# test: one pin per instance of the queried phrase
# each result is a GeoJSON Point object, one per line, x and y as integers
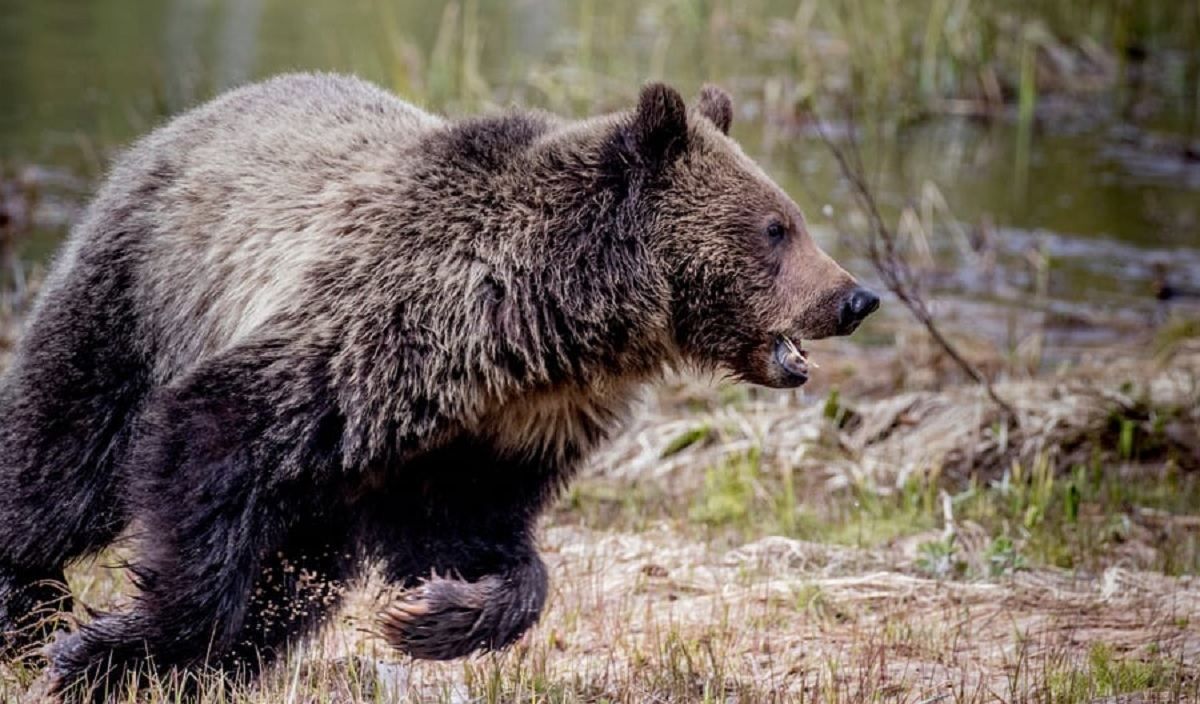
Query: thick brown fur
{"type": "Point", "coordinates": [308, 324]}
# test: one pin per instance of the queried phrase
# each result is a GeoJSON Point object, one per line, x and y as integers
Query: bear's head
{"type": "Point", "coordinates": [747, 281]}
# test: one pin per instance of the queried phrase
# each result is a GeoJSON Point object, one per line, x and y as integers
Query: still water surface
{"type": "Point", "coordinates": [80, 78]}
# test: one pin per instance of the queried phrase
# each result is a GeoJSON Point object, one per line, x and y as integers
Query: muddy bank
{"type": "Point", "coordinates": [1078, 416]}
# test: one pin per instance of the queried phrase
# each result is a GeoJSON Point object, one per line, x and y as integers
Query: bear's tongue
{"type": "Point", "coordinates": [792, 358]}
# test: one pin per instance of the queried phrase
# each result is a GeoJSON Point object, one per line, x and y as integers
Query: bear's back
{"type": "Point", "coordinates": [231, 203]}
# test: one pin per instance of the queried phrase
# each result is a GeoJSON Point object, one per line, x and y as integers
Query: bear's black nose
{"type": "Point", "coordinates": [858, 305]}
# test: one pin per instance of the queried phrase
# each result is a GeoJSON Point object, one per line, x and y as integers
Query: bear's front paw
{"type": "Point", "coordinates": [443, 619]}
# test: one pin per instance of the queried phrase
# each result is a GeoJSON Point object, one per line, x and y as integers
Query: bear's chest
{"type": "Point", "coordinates": [559, 425]}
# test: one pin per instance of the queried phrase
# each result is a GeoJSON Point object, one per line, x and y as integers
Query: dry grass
{"type": "Point", "coordinates": [737, 546]}
{"type": "Point", "coordinates": [872, 545]}
{"type": "Point", "coordinates": [657, 616]}
{"type": "Point", "coordinates": [1130, 409]}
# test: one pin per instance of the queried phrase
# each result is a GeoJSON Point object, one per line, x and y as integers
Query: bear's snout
{"type": "Point", "coordinates": [857, 305]}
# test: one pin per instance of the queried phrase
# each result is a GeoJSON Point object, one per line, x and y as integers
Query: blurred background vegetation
{"type": "Point", "coordinates": [1068, 118]}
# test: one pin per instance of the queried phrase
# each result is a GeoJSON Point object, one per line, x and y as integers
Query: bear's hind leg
{"type": "Point", "coordinates": [227, 467]}
{"type": "Point", "coordinates": [196, 626]}
{"type": "Point", "coordinates": [66, 404]}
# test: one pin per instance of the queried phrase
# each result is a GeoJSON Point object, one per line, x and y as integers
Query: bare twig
{"type": "Point", "coordinates": [891, 265]}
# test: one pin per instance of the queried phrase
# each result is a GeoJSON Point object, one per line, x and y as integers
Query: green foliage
{"type": "Point", "coordinates": [686, 439]}
{"type": "Point", "coordinates": [1104, 675]}
{"type": "Point", "coordinates": [728, 491]}
{"type": "Point", "coordinates": [1072, 499]}
{"type": "Point", "coordinates": [938, 558]}
{"type": "Point", "coordinates": [1003, 557]}
{"type": "Point", "coordinates": [1125, 444]}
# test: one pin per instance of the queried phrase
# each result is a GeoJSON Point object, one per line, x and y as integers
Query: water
{"type": "Point", "coordinates": [81, 78]}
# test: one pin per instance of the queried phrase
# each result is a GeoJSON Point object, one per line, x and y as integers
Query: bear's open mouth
{"type": "Point", "coordinates": [793, 359]}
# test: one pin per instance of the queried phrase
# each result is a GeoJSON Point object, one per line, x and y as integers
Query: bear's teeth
{"type": "Point", "coordinates": [799, 350]}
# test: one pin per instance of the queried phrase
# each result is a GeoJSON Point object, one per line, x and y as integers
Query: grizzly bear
{"type": "Point", "coordinates": [308, 327]}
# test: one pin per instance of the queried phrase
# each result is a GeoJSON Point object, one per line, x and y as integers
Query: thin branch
{"type": "Point", "coordinates": [891, 265]}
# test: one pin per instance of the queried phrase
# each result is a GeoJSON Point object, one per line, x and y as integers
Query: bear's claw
{"type": "Point", "coordinates": [443, 619]}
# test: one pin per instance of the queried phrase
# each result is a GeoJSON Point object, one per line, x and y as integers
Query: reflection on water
{"type": "Point", "coordinates": [79, 78]}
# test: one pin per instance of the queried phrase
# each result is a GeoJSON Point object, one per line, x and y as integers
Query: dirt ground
{"type": "Point", "coordinates": [655, 616]}
{"type": "Point", "coordinates": [684, 569]}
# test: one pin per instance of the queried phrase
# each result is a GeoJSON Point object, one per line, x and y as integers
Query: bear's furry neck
{"type": "Point", "coordinates": [507, 276]}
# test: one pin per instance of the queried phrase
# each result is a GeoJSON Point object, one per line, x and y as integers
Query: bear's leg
{"type": "Point", "coordinates": [65, 409]}
{"type": "Point", "coordinates": [228, 466]}
{"type": "Point", "coordinates": [463, 546]}
{"type": "Point", "coordinates": [450, 615]}
{"type": "Point", "coordinates": [296, 590]}
{"type": "Point", "coordinates": [294, 594]}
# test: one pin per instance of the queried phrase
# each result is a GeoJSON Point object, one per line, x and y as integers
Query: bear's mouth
{"type": "Point", "coordinates": [792, 361]}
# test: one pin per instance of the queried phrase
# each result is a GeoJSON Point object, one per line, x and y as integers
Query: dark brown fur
{"type": "Point", "coordinates": [308, 324]}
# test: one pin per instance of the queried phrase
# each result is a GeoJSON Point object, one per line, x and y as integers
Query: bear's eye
{"type": "Point", "coordinates": [776, 232]}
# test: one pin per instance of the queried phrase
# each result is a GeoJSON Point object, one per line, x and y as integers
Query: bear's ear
{"type": "Point", "coordinates": [659, 128]}
{"type": "Point", "coordinates": [717, 106]}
